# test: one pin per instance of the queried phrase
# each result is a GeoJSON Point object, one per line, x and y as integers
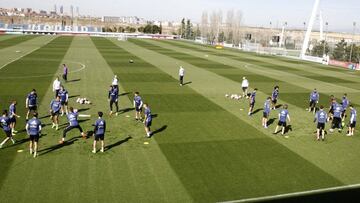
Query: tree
{"type": "Point", "coordinates": [221, 37]}
{"type": "Point", "coordinates": [339, 52]}
{"type": "Point", "coordinates": [141, 29]}
{"type": "Point", "coordinates": [148, 28]}
{"type": "Point", "coordinates": [120, 29]}
{"type": "Point", "coordinates": [320, 49]}
{"type": "Point", "coordinates": [188, 29]}
{"type": "Point", "coordinates": [354, 53]}
{"type": "Point", "coordinates": [182, 28]}
{"type": "Point", "coordinates": [160, 31]}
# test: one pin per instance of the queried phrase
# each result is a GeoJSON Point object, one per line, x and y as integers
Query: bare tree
{"type": "Point", "coordinates": [204, 27]}
{"type": "Point", "coordinates": [229, 26]}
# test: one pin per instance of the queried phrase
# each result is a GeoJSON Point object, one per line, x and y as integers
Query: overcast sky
{"type": "Point", "coordinates": [340, 14]}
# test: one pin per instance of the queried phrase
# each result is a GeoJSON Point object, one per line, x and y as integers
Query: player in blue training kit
{"type": "Point", "coordinates": [138, 106]}
{"type": "Point", "coordinates": [274, 97]}
{"type": "Point", "coordinates": [55, 107]}
{"type": "Point", "coordinates": [314, 99]}
{"type": "Point", "coordinates": [252, 101]}
{"type": "Point", "coordinates": [5, 125]}
{"type": "Point", "coordinates": [113, 98]}
{"type": "Point", "coordinates": [99, 132]}
{"type": "Point", "coordinates": [283, 116]}
{"type": "Point", "coordinates": [352, 123]}
{"type": "Point", "coordinates": [321, 118]}
{"type": "Point", "coordinates": [332, 106]}
{"type": "Point", "coordinates": [31, 103]}
{"type": "Point", "coordinates": [33, 129]}
{"type": "Point", "coordinates": [337, 117]}
{"type": "Point", "coordinates": [64, 99]}
{"type": "Point", "coordinates": [13, 116]}
{"type": "Point", "coordinates": [147, 120]}
{"type": "Point", "coordinates": [73, 123]}
{"type": "Point", "coordinates": [266, 113]}
{"type": "Point", "coordinates": [345, 103]}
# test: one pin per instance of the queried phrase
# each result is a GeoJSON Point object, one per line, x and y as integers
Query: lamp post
{"type": "Point", "coordinates": [352, 41]}
{"type": "Point", "coordinates": [325, 38]}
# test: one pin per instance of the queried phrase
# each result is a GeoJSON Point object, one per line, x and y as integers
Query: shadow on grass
{"type": "Point", "coordinates": [187, 83]}
{"type": "Point", "coordinates": [271, 121]}
{"type": "Point", "coordinates": [159, 130]}
{"type": "Point", "coordinates": [72, 96]}
{"type": "Point", "coordinates": [108, 147]}
{"type": "Point", "coordinates": [58, 146]}
{"type": "Point", "coordinates": [124, 94]}
{"type": "Point", "coordinates": [125, 110]}
{"type": "Point", "coordinates": [74, 80]}
{"type": "Point", "coordinates": [257, 110]}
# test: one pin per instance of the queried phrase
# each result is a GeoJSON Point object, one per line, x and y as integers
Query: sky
{"type": "Point", "coordinates": [340, 14]}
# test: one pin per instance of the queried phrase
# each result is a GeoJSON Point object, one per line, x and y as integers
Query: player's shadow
{"type": "Point", "coordinates": [271, 121]}
{"type": "Point", "coordinates": [46, 116]}
{"type": "Point", "coordinates": [288, 128]}
{"type": "Point", "coordinates": [74, 80]}
{"type": "Point", "coordinates": [72, 96]}
{"type": "Point", "coordinates": [125, 110]}
{"type": "Point", "coordinates": [155, 115]}
{"type": "Point", "coordinates": [124, 94]}
{"type": "Point", "coordinates": [278, 106]}
{"type": "Point", "coordinates": [108, 147]}
{"type": "Point", "coordinates": [83, 109]}
{"type": "Point", "coordinates": [58, 146]}
{"type": "Point", "coordinates": [256, 111]}
{"type": "Point", "coordinates": [22, 141]}
{"type": "Point", "coordinates": [187, 83]}
{"type": "Point", "coordinates": [159, 130]}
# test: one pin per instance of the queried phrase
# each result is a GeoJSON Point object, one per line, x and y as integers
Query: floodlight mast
{"type": "Point", "coordinates": [309, 28]}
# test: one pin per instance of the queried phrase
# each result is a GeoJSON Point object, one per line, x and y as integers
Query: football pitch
{"type": "Point", "coordinates": [205, 148]}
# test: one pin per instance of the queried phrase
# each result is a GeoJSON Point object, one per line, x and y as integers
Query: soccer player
{"type": "Point", "coordinates": [99, 131]}
{"type": "Point", "coordinates": [147, 120]}
{"type": "Point", "coordinates": [266, 112]}
{"type": "Point", "coordinates": [138, 106]}
{"type": "Point", "coordinates": [244, 86]}
{"type": "Point", "coordinates": [331, 108]}
{"type": "Point", "coordinates": [252, 101]}
{"type": "Point", "coordinates": [321, 118]}
{"type": "Point", "coordinates": [64, 99]}
{"type": "Point", "coordinates": [56, 86]}
{"type": "Point", "coordinates": [113, 98]}
{"type": "Point", "coordinates": [337, 117]}
{"type": "Point", "coordinates": [345, 103]}
{"type": "Point", "coordinates": [274, 97]}
{"type": "Point", "coordinates": [181, 75]}
{"type": "Point", "coordinates": [352, 123]}
{"type": "Point", "coordinates": [314, 99]}
{"type": "Point", "coordinates": [13, 116]}
{"type": "Point", "coordinates": [31, 103]}
{"type": "Point", "coordinates": [73, 123]}
{"type": "Point", "coordinates": [5, 125]}
{"type": "Point", "coordinates": [33, 129]}
{"type": "Point", "coordinates": [55, 107]}
{"type": "Point", "coordinates": [65, 72]}
{"type": "Point", "coordinates": [283, 116]}
{"type": "Point", "coordinates": [115, 82]}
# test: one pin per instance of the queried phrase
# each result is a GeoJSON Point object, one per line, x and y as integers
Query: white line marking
{"type": "Point", "coordinates": [24, 54]}
{"type": "Point", "coordinates": [295, 194]}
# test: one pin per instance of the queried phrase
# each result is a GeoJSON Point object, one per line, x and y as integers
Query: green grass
{"type": "Point", "coordinates": [204, 149]}
{"type": "Point", "coordinates": [15, 40]}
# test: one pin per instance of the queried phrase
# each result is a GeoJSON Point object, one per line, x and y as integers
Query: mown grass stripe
{"type": "Point", "coordinates": [17, 89]}
{"type": "Point", "coordinates": [16, 40]}
{"type": "Point", "coordinates": [214, 170]}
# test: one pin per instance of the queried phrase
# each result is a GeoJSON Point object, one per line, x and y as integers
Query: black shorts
{"type": "Point", "coordinates": [281, 123]}
{"type": "Point", "coordinates": [99, 137]}
{"type": "Point", "coordinates": [274, 101]}
{"type": "Point", "coordinates": [138, 109]}
{"type": "Point", "coordinates": [32, 108]}
{"type": "Point", "coordinates": [34, 138]}
{"type": "Point", "coordinates": [321, 126]}
{"type": "Point", "coordinates": [331, 111]}
{"type": "Point", "coordinates": [265, 115]}
{"type": "Point", "coordinates": [353, 124]}
{"type": "Point", "coordinates": [8, 133]}
{"type": "Point", "coordinates": [56, 113]}
{"type": "Point", "coordinates": [312, 103]}
{"type": "Point", "coordinates": [13, 119]}
{"type": "Point", "coordinates": [244, 89]}
{"type": "Point", "coordinates": [64, 103]}
{"type": "Point", "coordinates": [147, 123]}
{"type": "Point", "coordinates": [336, 122]}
